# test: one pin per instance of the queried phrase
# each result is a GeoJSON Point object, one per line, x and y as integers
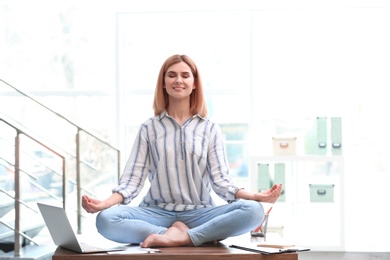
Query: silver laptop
{"type": "Point", "coordinates": [62, 233]}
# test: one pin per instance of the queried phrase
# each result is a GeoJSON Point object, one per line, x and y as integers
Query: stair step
{"type": "Point", "coordinates": [31, 230]}
{"type": "Point", "coordinates": [6, 207]}
{"type": "Point", "coordinates": [32, 252]}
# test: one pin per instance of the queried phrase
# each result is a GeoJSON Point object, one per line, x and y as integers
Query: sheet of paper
{"type": "Point", "coordinates": [275, 245]}
{"type": "Point", "coordinates": [135, 250]}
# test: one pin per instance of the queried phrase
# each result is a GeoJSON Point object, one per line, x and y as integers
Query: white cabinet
{"type": "Point", "coordinates": [310, 212]}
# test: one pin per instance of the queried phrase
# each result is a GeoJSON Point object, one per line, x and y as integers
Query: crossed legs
{"type": "Point", "coordinates": [154, 227]}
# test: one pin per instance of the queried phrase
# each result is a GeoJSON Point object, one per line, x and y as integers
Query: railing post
{"type": "Point", "coordinates": [17, 195]}
{"type": "Point", "coordinates": [118, 166]}
{"type": "Point", "coordinates": [64, 184]}
{"type": "Point", "coordinates": [78, 179]}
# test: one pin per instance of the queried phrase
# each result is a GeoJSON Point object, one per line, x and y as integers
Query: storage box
{"type": "Point", "coordinates": [264, 181]}
{"type": "Point", "coordinates": [316, 137]}
{"type": "Point", "coordinates": [336, 135]}
{"type": "Point", "coordinates": [284, 145]}
{"type": "Point", "coordinates": [280, 178]}
{"type": "Point", "coordinates": [321, 192]}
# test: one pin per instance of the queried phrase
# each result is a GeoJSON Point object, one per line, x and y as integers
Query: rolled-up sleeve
{"type": "Point", "coordinates": [219, 168]}
{"type": "Point", "coordinates": [136, 168]}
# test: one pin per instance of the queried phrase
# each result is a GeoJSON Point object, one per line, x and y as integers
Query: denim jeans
{"type": "Point", "coordinates": [125, 224]}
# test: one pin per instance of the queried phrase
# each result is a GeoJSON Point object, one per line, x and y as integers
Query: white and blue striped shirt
{"type": "Point", "coordinates": [182, 164]}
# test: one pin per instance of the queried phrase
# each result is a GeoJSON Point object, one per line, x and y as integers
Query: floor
{"type": "Point", "coordinates": [343, 256]}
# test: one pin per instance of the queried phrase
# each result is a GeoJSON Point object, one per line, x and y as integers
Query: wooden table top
{"type": "Point", "coordinates": [206, 252]}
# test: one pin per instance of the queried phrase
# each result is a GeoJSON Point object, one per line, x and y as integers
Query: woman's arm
{"type": "Point", "coordinates": [136, 169]}
{"type": "Point", "coordinates": [270, 195]}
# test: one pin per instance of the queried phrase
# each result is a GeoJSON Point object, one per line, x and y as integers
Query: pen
{"type": "Point", "coordinates": [288, 250]}
{"type": "Point", "coordinates": [269, 211]}
{"type": "Point", "coordinates": [293, 250]}
{"type": "Point", "coordinates": [265, 217]}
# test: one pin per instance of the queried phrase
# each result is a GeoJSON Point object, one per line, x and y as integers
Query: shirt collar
{"type": "Point", "coordinates": [165, 114]}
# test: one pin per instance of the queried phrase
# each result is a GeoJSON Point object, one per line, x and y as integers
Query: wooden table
{"type": "Point", "coordinates": [205, 252]}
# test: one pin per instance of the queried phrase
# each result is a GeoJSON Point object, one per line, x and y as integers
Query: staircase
{"type": "Point", "coordinates": [54, 163]}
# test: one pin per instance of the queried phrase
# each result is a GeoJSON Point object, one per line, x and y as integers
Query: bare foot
{"type": "Point", "coordinates": [176, 235]}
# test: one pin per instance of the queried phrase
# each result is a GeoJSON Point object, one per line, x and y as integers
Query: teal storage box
{"type": "Point", "coordinates": [264, 181]}
{"type": "Point", "coordinates": [321, 192]}
{"type": "Point", "coordinates": [316, 137]}
{"type": "Point", "coordinates": [280, 178]}
{"type": "Point", "coordinates": [336, 135]}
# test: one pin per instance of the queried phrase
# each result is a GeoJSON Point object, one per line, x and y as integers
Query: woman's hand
{"type": "Point", "coordinates": [92, 205]}
{"type": "Point", "coordinates": [269, 196]}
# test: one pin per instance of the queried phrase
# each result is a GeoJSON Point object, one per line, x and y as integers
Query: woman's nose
{"type": "Point", "coordinates": [178, 80]}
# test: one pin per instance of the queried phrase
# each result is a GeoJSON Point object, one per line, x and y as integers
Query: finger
{"type": "Point", "coordinates": [276, 187]}
{"type": "Point", "coordinates": [86, 199]}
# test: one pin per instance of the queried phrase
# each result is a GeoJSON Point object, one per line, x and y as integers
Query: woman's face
{"type": "Point", "coordinates": [179, 81]}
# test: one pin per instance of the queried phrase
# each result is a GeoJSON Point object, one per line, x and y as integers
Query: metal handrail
{"type": "Point", "coordinates": [63, 152]}
{"type": "Point", "coordinates": [61, 116]}
{"type": "Point", "coordinates": [20, 201]}
{"type": "Point", "coordinates": [17, 154]}
{"type": "Point", "coordinates": [17, 171]}
{"type": "Point", "coordinates": [19, 234]}
{"type": "Point", "coordinates": [78, 155]}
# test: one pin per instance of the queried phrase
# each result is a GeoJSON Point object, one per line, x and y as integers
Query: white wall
{"type": "Point", "coordinates": [323, 58]}
{"type": "Point", "coordinates": [335, 62]}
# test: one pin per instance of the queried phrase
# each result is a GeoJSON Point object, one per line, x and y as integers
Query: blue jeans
{"type": "Point", "coordinates": [126, 224]}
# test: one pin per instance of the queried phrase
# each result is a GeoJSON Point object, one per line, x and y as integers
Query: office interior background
{"type": "Point", "coordinates": [269, 69]}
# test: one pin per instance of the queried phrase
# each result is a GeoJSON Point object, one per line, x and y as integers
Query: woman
{"type": "Point", "coordinates": [181, 152]}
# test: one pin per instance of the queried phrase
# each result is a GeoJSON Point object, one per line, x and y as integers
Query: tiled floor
{"type": "Point", "coordinates": [343, 256]}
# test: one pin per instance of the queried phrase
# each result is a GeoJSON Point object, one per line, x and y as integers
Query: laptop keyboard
{"type": "Point", "coordinates": [86, 248]}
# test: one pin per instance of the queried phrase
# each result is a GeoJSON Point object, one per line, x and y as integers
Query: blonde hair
{"type": "Point", "coordinates": [197, 100]}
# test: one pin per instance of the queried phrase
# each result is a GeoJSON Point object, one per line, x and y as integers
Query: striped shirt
{"type": "Point", "coordinates": [182, 164]}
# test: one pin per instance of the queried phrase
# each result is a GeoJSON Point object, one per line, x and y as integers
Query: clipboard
{"type": "Point", "coordinates": [269, 250]}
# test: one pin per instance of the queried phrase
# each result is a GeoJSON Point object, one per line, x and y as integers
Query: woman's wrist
{"type": "Point", "coordinates": [244, 194]}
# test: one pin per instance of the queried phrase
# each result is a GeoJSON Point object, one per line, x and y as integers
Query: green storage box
{"type": "Point", "coordinates": [280, 178]}
{"type": "Point", "coordinates": [321, 192]}
{"type": "Point", "coordinates": [336, 135]}
{"type": "Point", "coordinates": [264, 181]}
{"type": "Point", "coordinates": [316, 137]}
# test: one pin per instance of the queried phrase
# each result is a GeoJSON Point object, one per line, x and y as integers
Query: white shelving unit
{"type": "Point", "coordinates": [302, 220]}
